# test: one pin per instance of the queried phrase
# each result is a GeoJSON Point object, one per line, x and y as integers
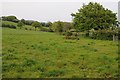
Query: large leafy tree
{"type": "Point", "coordinates": [94, 16]}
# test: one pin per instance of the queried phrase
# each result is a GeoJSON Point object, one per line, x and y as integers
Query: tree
{"type": "Point", "coordinates": [23, 21]}
{"type": "Point", "coordinates": [10, 18]}
{"type": "Point", "coordinates": [36, 24]}
{"type": "Point", "coordinates": [29, 22]}
{"type": "Point", "coordinates": [48, 24]}
{"type": "Point", "coordinates": [67, 26]}
{"type": "Point", "coordinates": [43, 24]}
{"type": "Point", "coordinates": [20, 24]}
{"type": "Point", "coordinates": [94, 16]}
{"type": "Point", "coordinates": [57, 26]}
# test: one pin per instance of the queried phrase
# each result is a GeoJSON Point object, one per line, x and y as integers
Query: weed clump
{"type": "Point", "coordinates": [28, 62]}
{"type": "Point", "coordinates": [54, 73]}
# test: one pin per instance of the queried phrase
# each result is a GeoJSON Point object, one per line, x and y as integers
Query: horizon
{"type": "Point", "coordinates": [48, 11]}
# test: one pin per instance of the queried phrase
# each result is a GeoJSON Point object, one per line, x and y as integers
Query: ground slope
{"type": "Point", "coordinates": [38, 54]}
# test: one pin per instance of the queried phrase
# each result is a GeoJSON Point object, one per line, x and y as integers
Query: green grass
{"type": "Point", "coordinates": [8, 22]}
{"type": "Point", "coordinates": [35, 54]}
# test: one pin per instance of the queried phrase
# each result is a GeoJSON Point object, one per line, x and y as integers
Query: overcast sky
{"type": "Point", "coordinates": [47, 11]}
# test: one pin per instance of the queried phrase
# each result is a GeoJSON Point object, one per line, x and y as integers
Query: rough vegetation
{"type": "Point", "coordinates": [37, 54]}
{"type": "Point", "coordinates": [82, 48]}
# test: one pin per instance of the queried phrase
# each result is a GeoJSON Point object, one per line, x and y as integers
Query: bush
{"type": "Point", "coordinates": [28, 62]}
{"type": "Point", "coordinates": [72, 30]}
{"type": "Point", "coordinates": [27, 27]}
{"type": "Point", "coordinates": [64, 33]}
{"type": "Point", "coordinates": [20, 24]}
{"type": "Point", "coordinates": [71, 35]}
{"type": "Point", "coordinates": [36, 24]}
{"type": "Point", "coordinates": [68, 33]}
{"type": "Point", "coordinates": [57, 27]}
{"type": "Point", "coordinates": [10, 18]}
{"type": "Point", "coordinates": [54, 73]}
{"type": "Point", "coordinates": [75, 34]}
{"type": "Point", "coordinates": [46, 29]}
{"type": "Point", "coordinates": [9, 25]}
{"type": "Point", "coordinates": [101, 34]}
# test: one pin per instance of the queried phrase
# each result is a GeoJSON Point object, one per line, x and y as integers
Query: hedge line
{"type": "Point", "coordinates": [9, 25]}
{"type": "Point", "coordinates": [102, 34]}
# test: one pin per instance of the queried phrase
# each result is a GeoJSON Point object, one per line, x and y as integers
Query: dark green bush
{"type": "Point", "coordinates": [9, 25]}
{"type": "Point", "coordinates": [54, 73]}
{"type": "Point", "coordinates": [101, 34]}
{"type": "Point", "coordinates": [63, 33]}
{"type": "Point", "coordinates": [10, 18]}
{"type": "Point", "coordinates": [68, 33]}
{"type": "Point", "coordinates": [45, 29]}
{"type": "Point", "coordinates": [28, 62]}
{"type": "Point", "coordinates": [71, 35]}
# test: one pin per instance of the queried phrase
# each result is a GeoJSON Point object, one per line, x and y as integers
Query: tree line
{"type": "Point", "coordinates": [92, 19]}
{"type": "Point", "coordinates": [57, 26]}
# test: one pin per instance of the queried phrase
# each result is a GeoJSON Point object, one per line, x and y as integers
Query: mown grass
{"type": "Point", "coordinates": [35, 54]}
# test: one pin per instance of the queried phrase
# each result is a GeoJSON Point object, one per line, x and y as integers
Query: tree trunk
{"type": "Point", "coordinates": [113, 37]}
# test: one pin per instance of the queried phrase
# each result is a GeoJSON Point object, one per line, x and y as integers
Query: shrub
{"type": "Point", "coordinates": [57, 27]}
{"type": "Point", "coordinates": [20, 24]}
{"type": "Point", "coordinates": [27, 27]}
{"type": "Point", "coordinates": [10, 18]}
{"type": "Point", "coordinates": [71, 37]}
{"type": "Point", "coordinates": [9, 26]}
{"type": "Point", "coordinates": [46, 29]}
{"type": "Point", "coordinates": [53, 73]}
{"type": "Point", "coordinates": [68, 33]}
{"type": "Point", "coordinates": [36, 24]}
{"type": "Point", "coordinates": [72, 30]}
{"type": "Point", "coordinates": [101, 34]}
{"type": "Point", "coordinates": [64, 33]}
{"type": "Point", "coordinates": [28, 62]}
{"type": "Point", "coordinates": [75, 34]}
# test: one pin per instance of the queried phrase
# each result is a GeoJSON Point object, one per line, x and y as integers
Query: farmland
{"type": "Point", "coordinates": [36, 54]}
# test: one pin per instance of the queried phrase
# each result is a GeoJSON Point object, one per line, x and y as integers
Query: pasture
{"type": "Point", "coordinates": [35, 54]}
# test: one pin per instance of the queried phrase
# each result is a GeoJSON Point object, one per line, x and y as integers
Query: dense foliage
{"type": "Point", "coordinates": [94, 16]}
{"type": "Point", "coordinates": [7, 24]}
{"type": "Point", "coordinates": [103, 35]}
{"type": "Point", "coordinates": [20, 24]}
{"type": "Point", "coordinates": [27, 22]}
{"type": "Point", "coordinates": [10, 18]}
{"type": "Point", "coordinates": [36, 24]}
{"type": "Point", "coordinates": [91, 16]}
{"type": "Point", "coordinates": [57, 26]}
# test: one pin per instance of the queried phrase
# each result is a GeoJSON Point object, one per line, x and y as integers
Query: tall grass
{"type": "Point", "coordinates": [35, 54]}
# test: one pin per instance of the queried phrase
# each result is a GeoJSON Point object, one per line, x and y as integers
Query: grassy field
{"type": "Point", "coordinates": [35, 54]}
{"type": "Point", "coordinates": [10, 23]}
{"type": "Point", "coordinates": [28, 27]}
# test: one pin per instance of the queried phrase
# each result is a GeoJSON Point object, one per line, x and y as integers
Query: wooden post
{"type": "Point", "coordinates": [113, 37]}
